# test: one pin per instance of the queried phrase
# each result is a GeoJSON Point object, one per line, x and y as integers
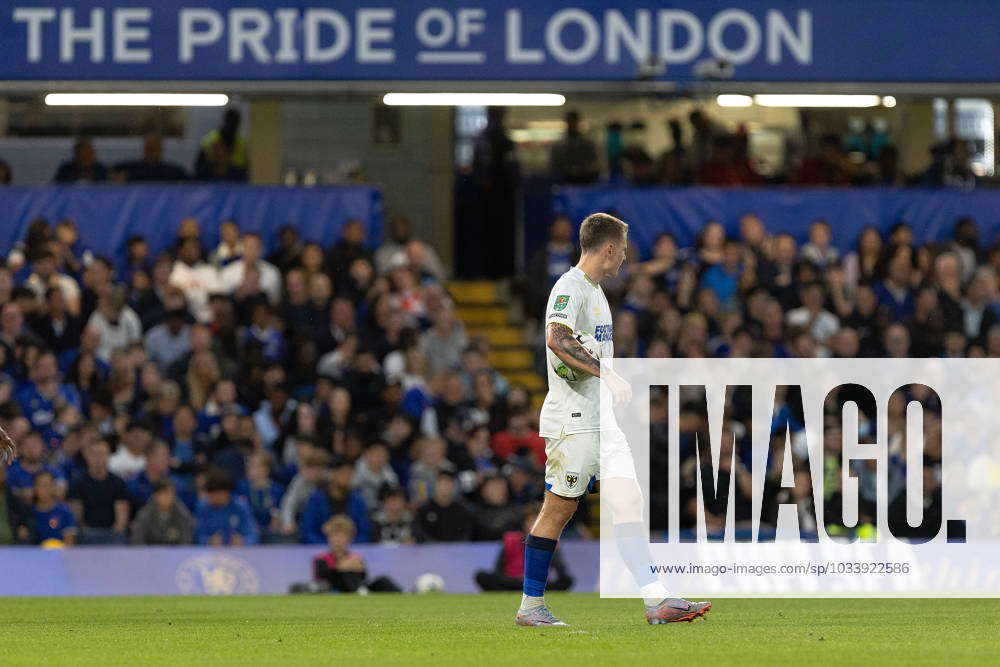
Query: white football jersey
{"type": "Point", "coordinates": [574, 407]}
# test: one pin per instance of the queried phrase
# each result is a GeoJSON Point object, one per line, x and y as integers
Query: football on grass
{"type": "Point", "coordinates": [563, 370]}
{"type": "Point", "coordinates": [429, 583]}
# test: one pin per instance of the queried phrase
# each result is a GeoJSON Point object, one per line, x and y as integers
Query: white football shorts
{"type": "Point", "coordinates": [572, 461]}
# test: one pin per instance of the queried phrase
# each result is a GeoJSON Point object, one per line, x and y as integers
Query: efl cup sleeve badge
{"type": "Point", "coordinates": [572, 478]}
{"type": "Point", "coordinates": [561, 302]}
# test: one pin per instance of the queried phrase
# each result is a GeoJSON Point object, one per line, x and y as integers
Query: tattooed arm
{"type": "Point", "coordinates": [560, 340]}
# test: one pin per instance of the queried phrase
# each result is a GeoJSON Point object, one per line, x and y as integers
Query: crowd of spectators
{"type": "Point", "coordinates": [221, 396]}
{"type": "Point", "coordinates": [713, 155]}
{"type": "Point", "coordinates": [226, 395]}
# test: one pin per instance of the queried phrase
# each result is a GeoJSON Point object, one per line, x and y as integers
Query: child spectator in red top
{"type": "Point", "coordinates": [342, 570]}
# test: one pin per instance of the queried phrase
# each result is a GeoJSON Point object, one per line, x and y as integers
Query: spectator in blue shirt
{"type": "Point", "coordinates": [45, 394]}
{"type": "Point", "coordinates": [29, 464]}
{"type": "Point", "coordinates": [187, 444]}
{"type": "Point", "coordinates": [547, 264]}
{"type": "Point", "coordinates": [222, 401]}
{"type": "Point", "coordinates": [263, 334]}
{"type": "Point", "coordinates": [87, 374]}
{"type": "Point", "coordinates": [337, 498]}
{"type": "Point", "coordinates": [90, 343]}
{"type": "Point", "coordinates": [222, 520]}
{"type": "Point", "coordinates": [137, 259]}
{"type": "Point", "coordinates": [275, 414]}
{"type": "Point", "coordinates": [53, 520]}
{"type": "Point", "coordinates": [157, 469]}
{"type": "Point", "coordinates": [261, 494]}
{"type": "Point", "coordinates": [724, 278]}
{"type": "Point", "coordinates": [168, 342]}
{"type": "Point", "coordinates": [895, 294]}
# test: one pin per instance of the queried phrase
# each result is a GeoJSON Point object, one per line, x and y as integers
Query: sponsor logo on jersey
{"type": "Point", "coordinates": [562, 315]}
{"type": "Point", "coordinates": [603, 332]}
{"type": "Point", "coordinates": [561, 302]}
{"type": "Point", "coordinates": [572, 478]}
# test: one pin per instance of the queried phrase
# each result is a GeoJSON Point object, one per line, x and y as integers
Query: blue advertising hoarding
{"type": "Point", "coordinates": [84, 571]}
{"type": "Point", "coordinates": [764, 40]}
{"type": "Point", "coordinates": [683, 212]}
{"type": "Point", "coordinates": [108, 215]}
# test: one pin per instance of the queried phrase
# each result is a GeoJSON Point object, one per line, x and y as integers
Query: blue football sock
{"type": "Point", "coordinates": [537, 556]}
{"type": "Point", "coordinates": [633, 544]}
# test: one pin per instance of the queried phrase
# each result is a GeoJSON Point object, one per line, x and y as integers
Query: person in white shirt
{"type": "Point", "coordinates": [230, 246]}
{"type": "Point", "coordinates": [130, 457]}
{"type": "Point", "coordinates": [270, 277]}
{"type": "Point", "coordinates": [118, 324]}
{"type": "Point", "coordinates": [46, 276]}
{"type": "Point", "coordinates": [577, 448]}
{"type": "Point", "coordinates": [811, 316]}
{"type": "Point", "coordinates": [196, 278]}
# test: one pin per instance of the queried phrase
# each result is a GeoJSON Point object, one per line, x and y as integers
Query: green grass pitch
{"type": "Point", "coordinates": [479, 630]}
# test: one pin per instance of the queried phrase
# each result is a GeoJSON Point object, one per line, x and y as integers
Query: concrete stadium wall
{"type": "Point", "coordinates": [415, 174]}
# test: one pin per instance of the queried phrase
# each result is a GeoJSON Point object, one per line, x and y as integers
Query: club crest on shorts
{"type": "Point", "coordinates": [572, 478]}
{"type": "Point", "coordinates": [561, 302]}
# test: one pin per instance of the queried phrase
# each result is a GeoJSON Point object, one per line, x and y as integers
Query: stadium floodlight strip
{"type": "Point", "coordinates": [734, 101]}
{"type": "Point", "coordinates": [474, 99]}
{"type": "Point", "coordinates": [137, 99]}
{"type": "Point", "coordinates": [816, 101]}
{"type": "Point", "coordinates": [845, 101]}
